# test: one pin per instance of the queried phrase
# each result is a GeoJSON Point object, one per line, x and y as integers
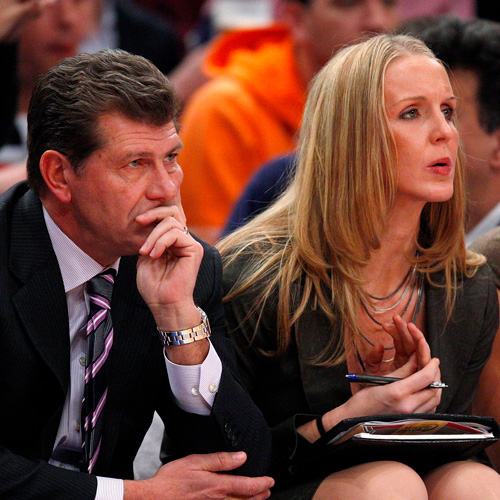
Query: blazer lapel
{"type": "Point", "coordinates": [40, 301]}
{"type": "Point", "coordinates": [450, 339]}
{"type": "Point", "coordinates": [324, 387]}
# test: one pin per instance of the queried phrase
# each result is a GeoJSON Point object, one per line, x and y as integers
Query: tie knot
{"type": "Point", "coordinates": [100, 288]}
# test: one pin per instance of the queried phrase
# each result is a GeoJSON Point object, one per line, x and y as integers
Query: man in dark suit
{"type": "Point", "coordinates": [103, 187]}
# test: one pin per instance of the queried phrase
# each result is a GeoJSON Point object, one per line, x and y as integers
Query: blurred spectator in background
{"type": "Point", "coordinates": [265, 185]}
{"type": "Point", "coordinates": [13, 15]}
{"type": "Point", "coordinates": [486, 9]}
{"type": "Point", "coordinates": [183, 15]}
{"type": "Point", "coordinates": [409, 9]}
{"type": "Point", "coordinates": [55, 33]}
{"type": "Point", "coordinates": [251, 108]}
{"type": "Point", "coordinates": [125, 25]}
{"type": "Point", "coordinates": [69, 27]}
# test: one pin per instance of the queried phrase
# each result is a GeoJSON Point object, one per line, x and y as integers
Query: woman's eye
{"type": "Point", "coordinates": [410, 114]}
{"type": "Point", "coordinates": [448, 113]}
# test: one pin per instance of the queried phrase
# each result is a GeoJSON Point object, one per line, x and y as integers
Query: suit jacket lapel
{"type": "Point", "coordinates": [40, 301]}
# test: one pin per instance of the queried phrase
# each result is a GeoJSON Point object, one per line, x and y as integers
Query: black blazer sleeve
{"type": "Point", "coordinates": [236, 422]}
{"type": "Point", "coordinates": [275, 386]}
{"type": "Point", "coordinates": [23, 479]}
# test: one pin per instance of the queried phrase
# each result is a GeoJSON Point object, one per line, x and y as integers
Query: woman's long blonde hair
{"type": "Point", "coordinates": [320, 232]}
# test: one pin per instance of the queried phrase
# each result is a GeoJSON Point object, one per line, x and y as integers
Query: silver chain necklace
{"type": "Point", "coordinates": [418, 282]}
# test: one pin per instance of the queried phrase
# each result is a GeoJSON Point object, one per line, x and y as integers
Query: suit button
{"type": "Point", "coordinates": [229, 430]}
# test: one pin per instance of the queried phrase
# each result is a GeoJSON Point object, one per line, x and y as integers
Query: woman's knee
{"type": "Point", "coordinates": [373, 481]}
{"type": "Point", "coordinates": [463, 481]}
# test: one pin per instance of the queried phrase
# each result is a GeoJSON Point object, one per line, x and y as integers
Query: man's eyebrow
{"type": "Point", "coordinates": [178, 146]}
{"type": "Point", "coordinates": [146, 154]}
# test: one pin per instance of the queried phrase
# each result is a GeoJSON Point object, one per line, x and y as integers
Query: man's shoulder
{"type": "Point", "coordinates": [12, 196]}
{"type": "Point", "coordinates": [209, 277]}
{"type": "Point", "coordinates": [488, 244]}
{"type": "Point", "coordinates": [211, 256]}
{"type": "Point", "coordinates": [16, 197]}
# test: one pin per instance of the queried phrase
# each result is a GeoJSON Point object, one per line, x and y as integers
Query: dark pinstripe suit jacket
{"type": "Point", "coordinates": [34, 369]}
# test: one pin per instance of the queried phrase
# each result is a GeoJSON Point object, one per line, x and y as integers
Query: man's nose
{"type": "Point", "coordinates": [162, 185]}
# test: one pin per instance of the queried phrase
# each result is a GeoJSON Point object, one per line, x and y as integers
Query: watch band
{"type": "Point", "coordinates": [187, 336]}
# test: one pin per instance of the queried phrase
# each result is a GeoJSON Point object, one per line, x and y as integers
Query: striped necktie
{"type": "Point", "coordinates": [99, 342]}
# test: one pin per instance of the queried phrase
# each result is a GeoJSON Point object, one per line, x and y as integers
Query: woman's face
{"type": "Point", "coordinates": [420, 104]}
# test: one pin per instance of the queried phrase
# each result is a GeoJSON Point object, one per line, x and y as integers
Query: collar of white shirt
{"type": "Point", "coordinates": [76, 266]}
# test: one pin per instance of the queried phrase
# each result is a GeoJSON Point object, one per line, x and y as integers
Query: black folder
{"type": "Point", "coordinates": [421, 450]}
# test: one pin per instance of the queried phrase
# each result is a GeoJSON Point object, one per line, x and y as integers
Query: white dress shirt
{"type": "Point", "coordinates": [194, 387]}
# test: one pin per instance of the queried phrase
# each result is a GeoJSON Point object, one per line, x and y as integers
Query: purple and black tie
{"type": "Point", "coordinates": [99, 343]}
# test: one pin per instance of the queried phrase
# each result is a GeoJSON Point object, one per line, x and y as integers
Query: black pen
{"type": "Point", "coordinates": [377, 380]}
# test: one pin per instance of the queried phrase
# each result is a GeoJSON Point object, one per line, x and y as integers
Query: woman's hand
{"type": "Point", "coordinates": [410, 395]}
{"type": "Point", "coordinates": [408, 341]}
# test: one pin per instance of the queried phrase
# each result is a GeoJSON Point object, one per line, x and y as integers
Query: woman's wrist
{"type": "Point", "coordinates": [333, 417]}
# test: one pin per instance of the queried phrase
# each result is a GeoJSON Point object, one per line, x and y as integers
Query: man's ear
{"type": "Point", "coordinates": [55, 168]}
{"type": "Point", "coordinates": [294, 14]}
{"type": "Point", "coordinates": [494, 159]}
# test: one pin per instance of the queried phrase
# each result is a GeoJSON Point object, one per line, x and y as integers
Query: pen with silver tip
{"type": "Point", "coordinates": [379, 380]}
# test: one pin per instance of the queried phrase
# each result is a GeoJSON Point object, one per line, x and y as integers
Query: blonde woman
{"type": "Point", "coordinates": [361, 266]}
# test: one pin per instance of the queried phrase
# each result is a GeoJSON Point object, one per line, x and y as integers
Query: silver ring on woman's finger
{"type": "Point", "coordinates": [387, 360]}
{"type": "Point", "coordinates": [186, 230]}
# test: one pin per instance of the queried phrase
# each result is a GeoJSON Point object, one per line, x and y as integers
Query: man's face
{"type": "Point", "coordinates": [330, 24]}
{"type": "Point", "coordinates": [134, 171]}
{"type": "Point", "coordinates": [479, 146]}
{"type": "Point", "coordinates": [55, 34]}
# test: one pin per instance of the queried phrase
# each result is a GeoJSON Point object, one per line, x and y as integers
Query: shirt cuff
{"type": "Point", "coordinates": [194, 386]}
{"type": "Point", "coordinates": [109, 489]}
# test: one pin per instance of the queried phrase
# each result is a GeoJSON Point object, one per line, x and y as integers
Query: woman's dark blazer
{"type": "Point", "coordinates": [291, 390]}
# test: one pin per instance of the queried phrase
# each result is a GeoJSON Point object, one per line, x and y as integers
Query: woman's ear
{"type": "Point", "coordinates": [55, 167]}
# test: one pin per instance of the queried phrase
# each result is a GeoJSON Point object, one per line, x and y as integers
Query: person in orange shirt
{"type": "Point", "coordinates": [250, 109]}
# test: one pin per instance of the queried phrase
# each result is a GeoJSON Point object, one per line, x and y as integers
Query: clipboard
{"type": "Point", "coordinates": [349, 443]}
